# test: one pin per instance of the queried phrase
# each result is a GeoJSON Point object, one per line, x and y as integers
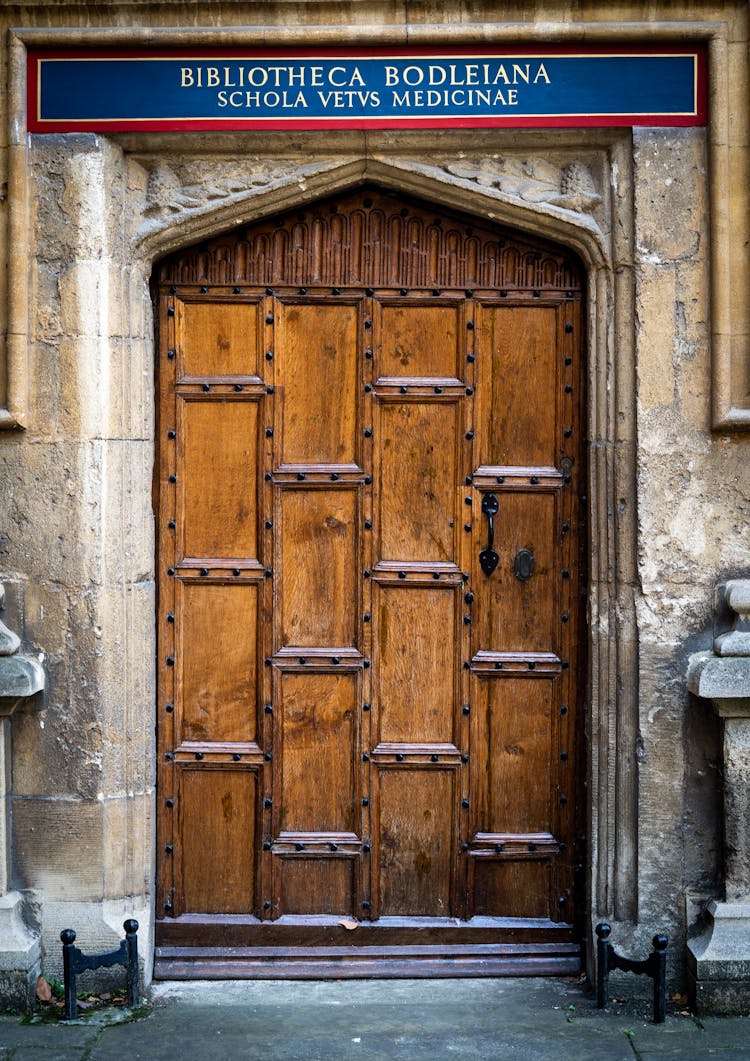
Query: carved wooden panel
{"type": "Point", "coordinates": [373, 240]}
{"type": "Point", "coordinates": [354, 716]}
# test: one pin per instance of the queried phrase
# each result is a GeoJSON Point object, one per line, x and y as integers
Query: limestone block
{"type": "Point", "coordinates": [661, 787]}
{"type": "Point", "coordinates": [45, 618]}
{"type": "Point", "coordinates": [95, 731]}
{"type": "Point", "coordinates": [84, 375]}
{"type": "Point", "coordinates": [670, 192]}
{"type": "Point", "coordinates": [51, 496]}
{"type": "Point", "coordinates": [719, 960]}
{"type": "Point", "coordinates": [87, 193]}
{"type": "Point", "coordinates": [45, 325]}
{"type": "Point", "coordinates": [84, 299]}
{"type": "Point", "coordinates": [58, 846]}
{"type": "Point", "coordinates": [131, 389]}
{"type": "Point", "coordinates": [720, 679]}
{"type": "Point", "coordinates": [125, 675]}
{"type": "Point", "coordinates": [129, 845]}
{"type": "Point", "coordinates": [20, 953]}
{"type": "Point", "coordinates": [655, 334]}
{"type": "Point", "coordinates": [128, 532]}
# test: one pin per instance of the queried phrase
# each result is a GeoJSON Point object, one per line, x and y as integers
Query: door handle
{"type": "Point", "coordinates": [488, 558]}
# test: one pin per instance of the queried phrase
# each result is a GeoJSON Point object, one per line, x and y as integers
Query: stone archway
{"type": "Point", "coordinates": [332, 259]}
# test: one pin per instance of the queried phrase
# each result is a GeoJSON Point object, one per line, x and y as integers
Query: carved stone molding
{"type": "Point", "coordinates": [534, 180]}
{"type": "Point", "coordinates": [181, 188]}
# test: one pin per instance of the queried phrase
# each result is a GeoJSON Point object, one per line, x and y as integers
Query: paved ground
{"type": "Point", "coordinates": [405, 1020]}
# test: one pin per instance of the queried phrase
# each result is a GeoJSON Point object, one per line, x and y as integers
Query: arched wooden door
{"type": "Point", "coordinates": [369, 575]}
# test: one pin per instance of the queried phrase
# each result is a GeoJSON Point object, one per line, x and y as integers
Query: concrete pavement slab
{"type": "Point", "coordinates": [370, 1020]}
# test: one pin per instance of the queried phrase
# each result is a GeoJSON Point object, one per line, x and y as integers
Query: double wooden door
{"type": "Point", "coordinates": [369, 579]}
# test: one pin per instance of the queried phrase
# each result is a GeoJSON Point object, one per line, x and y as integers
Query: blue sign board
{"type": "Point", "coordinates": [86, 91]}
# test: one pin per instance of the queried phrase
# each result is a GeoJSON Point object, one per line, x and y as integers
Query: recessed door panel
{"type": "Point", "coordinates": [518, 889]}
{"type": "Point", "coordinates": [519, 600]}
{"type": "Point", "coordinates": [316, 366]}
{"type": "Point", "coordinates": [219, 338]}
{"type": "Point", "coordinates": [318, 536]}
{"type": "Point", "coordinates": [317, 886]}
{"type": "Point", "coordinates": [519, 355]}
{"type": "Point", "coordinates": [217, 622]}
{"type": "Point", "coordinates": [318, 715]}
{"type": "Point", "coordinates": [417, 472]}
{"type": "Point", "coordinates": [416, 634]}
{"type": "Point", "coordinates": [416, 841]}
{"type": "Point", "coordinates": [419, 339]}
{"type": "Point", "coordinates": [217, 812]}
{"type": "Point", "coordinates": [217, 488]}
{"type": "Point", "coordinates": [520, 732]}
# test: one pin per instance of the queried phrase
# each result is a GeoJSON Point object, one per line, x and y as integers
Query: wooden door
{"type": "Point", "coordinates": [366, 718]}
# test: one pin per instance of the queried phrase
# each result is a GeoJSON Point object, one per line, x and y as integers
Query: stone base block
{"type": "Point", "coordinates": [719, 961]}
{"type": "Point", "coordinates": [98, 927]}
{"type": "Point", "coordinates": [20, 954]}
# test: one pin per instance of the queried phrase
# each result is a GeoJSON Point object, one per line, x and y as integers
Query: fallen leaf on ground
{"type": "Point", "coordinates": [349, 923]}
{"type": "Point", "coordinates": [43, 990]}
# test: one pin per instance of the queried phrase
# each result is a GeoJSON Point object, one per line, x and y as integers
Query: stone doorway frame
{"type": "Point", "coordinates": [135, 233]}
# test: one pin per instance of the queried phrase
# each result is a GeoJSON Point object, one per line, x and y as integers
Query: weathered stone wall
{"type": "Point", "coordinates": [693, 508]}
{"type": "Point", "coordinates": [76, 529]}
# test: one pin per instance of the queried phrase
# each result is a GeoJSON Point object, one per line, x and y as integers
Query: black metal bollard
{"type": "Point", "coordinates": [654, 966]}
{"type": "Point", "coordinates": [75, 962]}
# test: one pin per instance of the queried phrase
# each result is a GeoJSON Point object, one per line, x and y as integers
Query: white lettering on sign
{"type": "Point", "coordinates": [414, 86]}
